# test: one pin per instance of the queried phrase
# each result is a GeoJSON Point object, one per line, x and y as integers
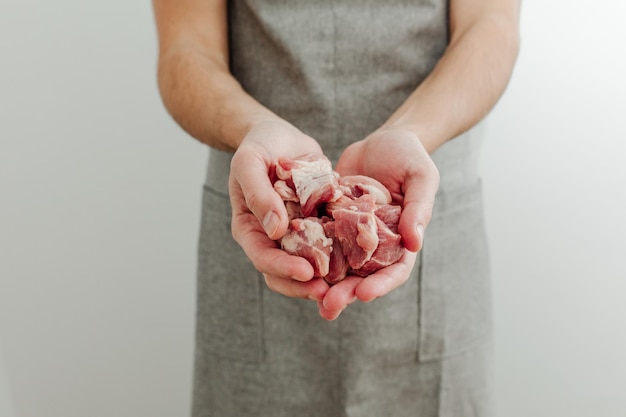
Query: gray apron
{"type": "Point", "coordinates": [337, 70]}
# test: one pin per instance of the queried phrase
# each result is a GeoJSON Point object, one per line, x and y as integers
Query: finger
{"type": "Point", "coordinates": [263, 252]}
{"type": "Point", "coordinates": [417, 208]}
{"type": "Point", "coordinates": [327, 314]}
{"type": "Point", "coordinates": [314, 289]}
{"type": "Point", "coordinates": [338, 297]}
{"type": "Point", "coordinates": [386, 279]}
{"type": "Point", "coordinates": [341, 294]}
{"type": "Point", "coordinates": [249, 177]}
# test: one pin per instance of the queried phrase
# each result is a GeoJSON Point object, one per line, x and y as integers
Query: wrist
{"type": "Point", "coordinates": [420, 132]}
{"type": "Point", "coordinates": [260, 121]}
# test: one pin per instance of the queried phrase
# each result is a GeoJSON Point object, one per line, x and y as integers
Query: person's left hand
{"type": "Point", "coordinates": [396, 158]}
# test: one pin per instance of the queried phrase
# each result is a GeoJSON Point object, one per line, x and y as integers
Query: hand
{"type": "Point", "coordinates": [397, 159]}
{"type": "Point", "coordinates": [259, 214]}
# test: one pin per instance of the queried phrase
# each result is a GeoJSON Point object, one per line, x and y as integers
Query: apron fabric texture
{"type": "Point", "coordinates": [337, 70]}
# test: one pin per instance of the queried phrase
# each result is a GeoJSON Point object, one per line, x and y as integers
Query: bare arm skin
{"type": "Point", "coordinates": [469, 78]}
{"type": "Point", "coordinates": [195, 83]}
{"type": "Point", "coordinates": [204, 98]}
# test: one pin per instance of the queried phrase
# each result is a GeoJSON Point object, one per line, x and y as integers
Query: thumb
{"type": "Point", "coordinates": [417, 208]}
{"type": "Point", "coordinates": [250, 183]}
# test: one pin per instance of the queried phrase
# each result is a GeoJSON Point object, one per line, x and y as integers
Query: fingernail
{"type": "Point", "coordinates": [420, 232]}
{"type": "Point", "coordinates": [270, 223]}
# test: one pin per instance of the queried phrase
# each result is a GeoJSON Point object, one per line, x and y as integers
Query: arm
{"type": "Point", "coordinates": [462, 88]}
{"type": "Point", "coordinates": [464, 85]}
{"type": "Point", "coordinates": [471, 75]}
{"type": "Point", "coordinates": [210, 104]}
{"type": "Point", "coordinates": [194, 79]}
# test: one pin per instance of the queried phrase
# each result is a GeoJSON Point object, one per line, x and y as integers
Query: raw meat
{"type": "Point", "coordinates": [390, 215]}
{"type": "Point", "coordinates": [341, 225]}
{"type": "Point", "coordinates": [355, 186]}
{"type": "Point", "coordinates": [356, 224]}
{"type": "Point", "coordinates": [306, 238]}
{"type": "Point", "coordinates": [313, 179]}
{"type": "Point", "coordinates": [388, 251]}
{"type": "Point", "coordinates": [338, 264]}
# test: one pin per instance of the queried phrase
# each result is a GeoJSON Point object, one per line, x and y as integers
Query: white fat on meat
{"type": "Point", "coordinates": [313, 179]}
{"type": "Point", "coordinates": [306, 238]}
{"type": "Point", "coordinates": [354, 186]}
{"type": "Point", "coordinates": [285, 191]}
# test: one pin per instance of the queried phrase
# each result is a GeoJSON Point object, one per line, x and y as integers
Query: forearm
{"type": "Point", "coordinates": [465, 84]}
{"type": "Point", "coordinates": [194, 79]}
{"type": "Point", "coordinates": [207, 101]}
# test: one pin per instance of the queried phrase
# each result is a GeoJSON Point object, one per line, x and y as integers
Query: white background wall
{"type": "Point", "coordinates": [556, 175]}
{"type": "Point", "coordinates": [100, 195]}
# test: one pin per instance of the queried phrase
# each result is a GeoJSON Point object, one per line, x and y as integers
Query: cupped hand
{"type": "Point", "coordinates": [396, 158]}
{"type": "Point", "coordinates": [259, 216]}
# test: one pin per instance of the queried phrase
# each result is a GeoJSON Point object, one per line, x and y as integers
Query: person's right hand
{"type": "Point", "coordinates": [259, 214]}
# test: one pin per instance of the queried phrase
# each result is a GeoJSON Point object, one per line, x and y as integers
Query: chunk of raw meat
{"type": "Point", "coordinates": [285, 191]}
{"type": "Point", "coordinates": [390, 215]}
{"type": "Point", "coordinates": [313, 179]}
{"type": "Point", "coordinates": [388, 251]}
{"type": "Point", "coordinates": [338, 267]}
{"type": "Point", "coordinates": [356, 231]}
{"type": "Point", "coordinates": [306, 238]}
{"type": "Point", "coordinates": [365, 203]}
{"type": "Point", "coordinates": [354, 186]}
